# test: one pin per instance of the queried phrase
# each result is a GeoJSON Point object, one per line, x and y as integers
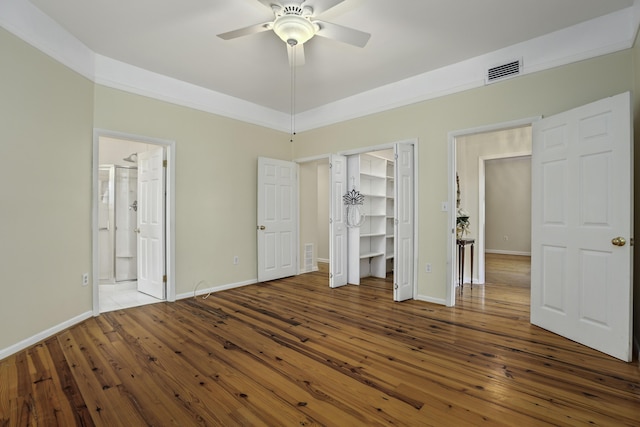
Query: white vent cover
{"type": "Point", "coordinates": [504, 71]}
{"type": "Point", "coordinates": [308, 257]}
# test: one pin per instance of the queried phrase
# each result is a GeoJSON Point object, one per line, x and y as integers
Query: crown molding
{"type": "Point", "coordinates": [600, 36]}
{"type": "Point", "coordinates": [119, 75]}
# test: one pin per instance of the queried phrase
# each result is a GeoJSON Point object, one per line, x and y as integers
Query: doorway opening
{"type": "Point", "coordinates": [324, 234]}
{"type": "Point", "coordinates": [504, 151]}
{"type": "Point", "coordinates": [120, 231]}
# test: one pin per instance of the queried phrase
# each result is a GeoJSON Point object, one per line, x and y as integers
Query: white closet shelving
{"type": "Point", "coordinates": [371, 245]}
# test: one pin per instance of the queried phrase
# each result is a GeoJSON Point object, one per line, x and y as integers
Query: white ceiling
{"type": "Point", "coordinates": [177, 38]}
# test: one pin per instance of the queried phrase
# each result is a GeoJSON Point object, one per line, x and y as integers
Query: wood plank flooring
{"type": "Point", "coordinates": [294, 352]}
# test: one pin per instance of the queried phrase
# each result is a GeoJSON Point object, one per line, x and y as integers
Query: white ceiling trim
{"type": "Point", "coordinates": [600, 36]}
{"type": "Point", "coordinates": [119, 75]}
{"type": "Point", "coordinates": [29, 23]}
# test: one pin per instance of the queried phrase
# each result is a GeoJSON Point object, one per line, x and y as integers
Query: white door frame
{"type": "Point", "coordinates": [451, 222]}
{"type": "Point", "coordinates": [170, 209]}
{"type": "Point", "coordinates": [416, 192]}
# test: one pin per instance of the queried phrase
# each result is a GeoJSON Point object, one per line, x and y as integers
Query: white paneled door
{"type": "Point", "coordinates": [151, 223]}
{"type": "Point", "coordinates": [404, 259]}
{"type": "Point", "coordinates": [581, 260]}
{"type": "Point", "coordinates": [277, 219]}
{"type": "Point", "coordinates": [337, 223]}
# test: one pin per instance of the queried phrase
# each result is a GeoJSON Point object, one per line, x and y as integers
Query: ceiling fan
{"type": "Point", "coordinates": [295, 24]}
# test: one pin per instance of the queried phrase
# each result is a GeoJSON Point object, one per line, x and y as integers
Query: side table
{"type": "Point", "coordinates": [462, 243]}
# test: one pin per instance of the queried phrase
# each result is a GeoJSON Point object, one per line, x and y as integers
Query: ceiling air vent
{"type": "Point", "coordinates": [504, 71]}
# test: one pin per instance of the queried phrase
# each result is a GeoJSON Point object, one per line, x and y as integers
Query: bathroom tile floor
{"type": "Point", "coordinates": [123, 295]}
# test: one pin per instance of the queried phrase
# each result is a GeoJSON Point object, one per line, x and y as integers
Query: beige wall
{"type": "Point", "coordinates": [323, 209]}
{"type": "Point", "coordinates": [542, 93]}
{"type": "Point", "coordinates": [47, 117]}
{"type": "Point", "coordinates": [314, 209]}
{"type": "Point", "coordinates": [216, 181]}
{"type": "Point", "coordinates": [470, 149]}
{"type": "Point", "coordinates": [308, 211]}
{"type": "Point", "coordinates": [508, 206]}
{"type": "Point", "coordinates": [45, 192]}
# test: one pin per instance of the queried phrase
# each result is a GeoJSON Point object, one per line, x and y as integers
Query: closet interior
{"type": "Point", "coordinates": [371, 245]}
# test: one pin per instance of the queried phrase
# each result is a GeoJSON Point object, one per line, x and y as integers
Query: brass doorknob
{"type": "Point", "coordinates": [619, 241]}
{"type": "Point", "coordinates": [261, 227]}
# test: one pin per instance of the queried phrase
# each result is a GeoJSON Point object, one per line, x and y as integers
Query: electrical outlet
{"type": "Point", "coordinates": [85, 279]}
{"type": "Point", "coordinates": [236, 260]}
{"type": "Point", "coordinates": [428, 268]}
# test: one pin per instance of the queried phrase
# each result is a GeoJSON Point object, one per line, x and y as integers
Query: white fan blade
{"type": "Point", "coordinates": [253, 29]}
{"type": "Point", "coordinates": [320, 6]}
{"type": "Point", "coordinates": [296, 54]}
{"type": "Point", "coordinates": [342, 34]}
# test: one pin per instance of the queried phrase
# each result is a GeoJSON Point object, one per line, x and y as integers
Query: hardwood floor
{"type": "Point", "coordinates": [513, 270]}
{"type": "Point", "coordinates": [294, 352]}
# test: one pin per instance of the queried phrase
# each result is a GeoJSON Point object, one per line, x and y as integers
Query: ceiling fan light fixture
{"type": "Point", "coordinates": [294, 29]}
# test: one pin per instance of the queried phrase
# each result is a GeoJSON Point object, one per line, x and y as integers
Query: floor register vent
{"type": "Point", "coordinates": [308, 257]}
{"type": "Point", "coordinates": [504, 71]}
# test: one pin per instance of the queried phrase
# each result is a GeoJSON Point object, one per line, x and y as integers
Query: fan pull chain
{"type": "Point", "coordinates": [293, 91]}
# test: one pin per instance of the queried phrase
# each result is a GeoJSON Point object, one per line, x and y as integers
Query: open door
{"type": "Point", "coordinates": [277, 219]}
{"type": "Point", "coordinates": [403, 272]}
{"type": "Point", "coordinates": [337, 222]}
{"type": "Point", "coordinates": [581, 260]}
{"type": "Point", "coordinates": [151, 223]}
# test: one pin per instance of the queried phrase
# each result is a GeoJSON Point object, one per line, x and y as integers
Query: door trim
{"type": "Point", "coordinates": [450, 300]}
{"type": "Point", "coordinates": [416, 193]}
{"type": "Point", "coordinates": [170, 235]}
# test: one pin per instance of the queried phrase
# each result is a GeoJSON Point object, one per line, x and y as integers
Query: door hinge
{"type": "Point", "coordinates": [164, 163]}
{"type": "Point", "coordinates": [395, 286]}
{"type": "Point", "coordinates": [164, 278]}
{"type": "Point", "coordinates": [631, 241]}
{"type": "Point", "coordinates": [330, 275]}
{"type": "Point", "coordinates": [330, 165]}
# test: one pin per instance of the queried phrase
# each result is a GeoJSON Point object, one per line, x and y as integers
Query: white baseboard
{"type": "Point", "coordinates": [35, 339]}
{"type": "Point", "coordinates": [425, 298]}
{"type": "Point", "coordinates": [501, 252]}
{"type": "Point", "coordinates": [198, 290]}
{"type": "Point", "coordinates": [326, 261]}
{"type": "Point", "coordinates": [303, 271]}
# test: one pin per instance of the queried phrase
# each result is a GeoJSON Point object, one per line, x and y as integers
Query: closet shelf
{"type": "Point", "coordinates": [369, 175]}
{"type": "Point", "coordinates": [382, 196]}
{"type": "Point", "coordinates": [372, 235]}
{"type": "Point", "coordinates": [371, 255]}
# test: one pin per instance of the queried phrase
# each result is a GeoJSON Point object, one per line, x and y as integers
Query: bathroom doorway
{"type": "Point", "coordinates": [117, 224]}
